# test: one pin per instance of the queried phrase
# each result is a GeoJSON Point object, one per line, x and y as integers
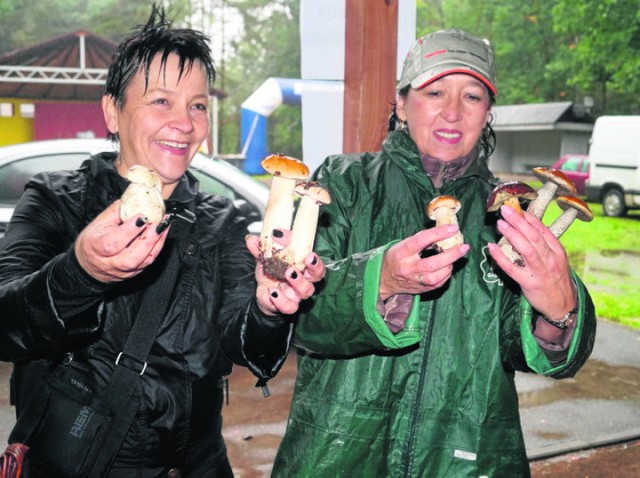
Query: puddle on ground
{"type": "Point", "coordinates": [596, 380]}
{"type": "Point", "coordinates": [622, 264]}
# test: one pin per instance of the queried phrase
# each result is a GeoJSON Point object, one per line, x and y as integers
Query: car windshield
{"type": "Point", "coordinates": [572, 163]}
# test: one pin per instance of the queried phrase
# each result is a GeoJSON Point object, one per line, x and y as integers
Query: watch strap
{"type": "Point", "coordinates": [566, 320]}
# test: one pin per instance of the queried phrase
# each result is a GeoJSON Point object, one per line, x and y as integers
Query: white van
{"type": "Point", "coordinates": [614, 164]}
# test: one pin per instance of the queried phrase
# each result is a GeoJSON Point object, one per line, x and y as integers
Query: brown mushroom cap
{"type": "Point", "coordinates": [509, 190]}
{"type": "Point", "coordinates": [313, 191]}
{"type": "Point", "coordinates": [582, 208]}
{"type": "Point", "coordinates": [556, 176]}
{"type": "Point", "coordinates": [442, 201]}
{"type": "Point", "coordinates": [285, 166]}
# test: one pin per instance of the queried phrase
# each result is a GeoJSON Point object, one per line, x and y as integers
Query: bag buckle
{"type": "Point", "coordinates": [138, 362]}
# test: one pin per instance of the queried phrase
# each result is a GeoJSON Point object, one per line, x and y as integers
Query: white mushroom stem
{"type": "Point", "coordinates": [442, 216]}
{"type": "Point", "coordinates": [303, 232]}
{"type": "Point", "coordinates": [507, 249]}
{"type": "Point", "coordinates": [562, 223]}
{"type": "Point", "coordinates": [539, 205]}
{"type": "Point", "coordinates": [278, 212]}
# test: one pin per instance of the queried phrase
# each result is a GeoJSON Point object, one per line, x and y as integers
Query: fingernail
{"type": "Point", "coordinates": [506, 211]}
{"type": "Point", "coordinates": [163, 225]}
{"type": "Point", "coordinates": [274, 294]}
{"type": "Point", "coordinates": [277, 233]}
{"type": "Point", "coordinates": [141, 221]}
{"type": "Point", "coordinates": [294, 275]}
{"type": "Point", "coordinates": [314, 261]}
{"type": "Point", "coordinates": [452, 228]}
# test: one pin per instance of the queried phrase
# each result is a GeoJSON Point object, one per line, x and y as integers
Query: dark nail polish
{"type": "Point", "coordinates": [161, 227]}
{"type": "Point", "coordinates": [277, 233]}
{"type": "Point", "coordinates": [294, 275]}
{"type": "Point", "coordinates": [140, 222]}
{"type": "Point", "coordinates": [314, 261]}
{"type": "Point", "coordinates": [274, 294]}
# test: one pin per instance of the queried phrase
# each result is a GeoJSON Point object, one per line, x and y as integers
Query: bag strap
{"type": "Point", "coordinates": [131, 362]}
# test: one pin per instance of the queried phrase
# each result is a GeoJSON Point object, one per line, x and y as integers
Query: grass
{"type": "Point", "coordinates": [606, 254]}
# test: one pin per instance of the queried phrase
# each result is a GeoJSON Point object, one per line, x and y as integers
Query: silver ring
{"type": "Point", "coordinates": [421, 281]}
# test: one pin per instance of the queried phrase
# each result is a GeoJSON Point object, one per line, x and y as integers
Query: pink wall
{"type": "Point", "coordinates": [68, 120]}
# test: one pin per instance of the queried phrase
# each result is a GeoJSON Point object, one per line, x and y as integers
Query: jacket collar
{"type": "Point", "coordinates": [400, 148]}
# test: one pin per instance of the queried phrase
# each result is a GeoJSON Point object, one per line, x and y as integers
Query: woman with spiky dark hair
{"type": "Point", "coordinates": [123, 327]}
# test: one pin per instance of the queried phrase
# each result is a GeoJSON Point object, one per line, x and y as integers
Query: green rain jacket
{"type": "Point", "coordinates": [438, 398]}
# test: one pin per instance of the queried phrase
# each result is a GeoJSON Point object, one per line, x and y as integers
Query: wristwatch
{"type": "Point", "coordinates": [566, 320]}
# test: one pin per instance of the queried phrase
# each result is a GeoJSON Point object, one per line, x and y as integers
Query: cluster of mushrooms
{"type": "Point", "coordinates": [555, 184]}
{"type": "Point", "coordinates": [289, 180]}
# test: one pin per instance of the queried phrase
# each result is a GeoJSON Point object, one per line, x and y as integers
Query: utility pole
{"type": "Point", "coordinates": [370, 72]}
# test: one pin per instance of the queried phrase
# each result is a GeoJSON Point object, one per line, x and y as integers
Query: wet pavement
{"type": "Point", "coordinates": [584, 427]}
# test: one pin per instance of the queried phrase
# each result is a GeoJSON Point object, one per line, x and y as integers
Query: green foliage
{"type": "Point", "coordinates": [553, 50]}
{"type": "Point", "coordinates": [270, 47]}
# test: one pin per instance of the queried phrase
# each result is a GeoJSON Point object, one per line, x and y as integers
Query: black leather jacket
{"type": "Point", "coordinates": [50, 306]}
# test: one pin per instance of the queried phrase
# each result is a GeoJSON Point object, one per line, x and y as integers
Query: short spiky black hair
{"type": "Point", "coordinates": [157, 37]}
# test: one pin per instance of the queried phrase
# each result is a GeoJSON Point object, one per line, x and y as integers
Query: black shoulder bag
{"type": "Point", "coordinates": [74, 429]}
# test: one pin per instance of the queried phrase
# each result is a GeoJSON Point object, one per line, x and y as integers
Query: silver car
{"type": "Point", "coordinates": [18, 163]}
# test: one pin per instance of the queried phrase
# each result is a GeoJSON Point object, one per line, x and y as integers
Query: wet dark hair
{"type": "Point", "coordinates": [487, 142]}
{"type": "Point", "coordinates": [157, 37]}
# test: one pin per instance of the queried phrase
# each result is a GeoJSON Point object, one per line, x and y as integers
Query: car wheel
{"type": "Point", "coordinates": [613, 203]}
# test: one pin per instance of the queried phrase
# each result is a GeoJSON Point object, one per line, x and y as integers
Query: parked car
{"type": "Point", "coordinates": [18, 163]}
{"type": "Point", "coordinates": [576, 167]}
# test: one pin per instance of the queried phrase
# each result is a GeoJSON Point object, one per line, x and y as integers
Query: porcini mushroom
{"type": "Point", "coordinates": [510, 193]}
{"type": "Point", "coordinates": [143, 195]}
{"type": "Point", "coordinates": [303, 231]}
{"type": "Point", "coordinates": [442, 210]}
{"type": "Point", "coordinates": [574, 208]}
{"type": "Point", "coordinates": [286, 171]}
{"type": "Point", "coordinates": [554, 183]}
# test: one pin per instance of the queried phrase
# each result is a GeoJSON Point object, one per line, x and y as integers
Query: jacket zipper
{"type": "Point", "coordinates": [409, 455]}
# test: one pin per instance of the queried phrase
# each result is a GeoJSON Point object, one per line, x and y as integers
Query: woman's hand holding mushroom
{"type": "Point", "coordinates": [406, 271]}
{"type": "Point", "coordinates": [544, 278]}
{"type": "Point", "coordinates": [111, 250]}
{"type": "Point", "coordinates": [283, 296]}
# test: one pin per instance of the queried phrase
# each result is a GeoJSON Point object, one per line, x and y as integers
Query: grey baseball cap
{"type": "Point", "coordinates": [444, 52]}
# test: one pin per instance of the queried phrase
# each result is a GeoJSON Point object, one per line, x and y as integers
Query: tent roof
{"type": "Point", "coordinates": [71, 67]}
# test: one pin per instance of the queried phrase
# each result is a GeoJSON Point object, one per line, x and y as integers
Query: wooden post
{"type": "Point", "coordinates": [371, 40]}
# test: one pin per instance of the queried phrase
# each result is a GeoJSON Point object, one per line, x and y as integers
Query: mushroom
{"type": "Point", "coordinates": [286, 171]}
{"type": "Point", "coordinates": [303, 232]}
{"type": "Point", "coordinates": [574, 208]}
{"type": "Point", "coordinates": [554, 183]}
{"type": "Point", "coordinates": [442, 210]}
{"type": "Point", "coordinates": [143, 195]}
{"type": "Point", "coordinates": [510, 193]}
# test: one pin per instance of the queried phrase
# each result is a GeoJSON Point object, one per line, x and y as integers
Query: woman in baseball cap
{"type": "Point", "coordinates": [409, 350]}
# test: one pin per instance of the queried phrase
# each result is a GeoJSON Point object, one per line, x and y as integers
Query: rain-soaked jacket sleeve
{"type": "Point", "coordinates": [341, 318]}
{"type": "Point", "coordinates": [248, 336]}
{"type": "Point", "coordinates": [47, 299]}
{"type": "Point", "coordinates": [522, 351]}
